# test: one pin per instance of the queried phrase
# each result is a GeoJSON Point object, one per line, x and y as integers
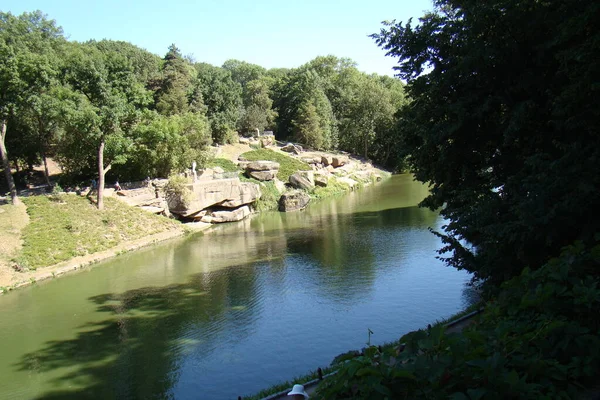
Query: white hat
{"type": "Point", "coordinates": [298, 389]}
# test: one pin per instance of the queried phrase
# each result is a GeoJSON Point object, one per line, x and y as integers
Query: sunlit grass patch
{"type": "Point", "coordinates": [66, 226]}
{"type": "Point", "coordinates": [287, 165]}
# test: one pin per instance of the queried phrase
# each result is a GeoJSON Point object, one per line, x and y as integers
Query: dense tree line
{"type": "Point", "coordinates": [103, 106]}
{"type": "Point", "coordinates": [503, 122]}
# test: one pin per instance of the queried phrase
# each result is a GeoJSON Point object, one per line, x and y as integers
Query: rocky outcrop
{"type": "Point", "coordinates": [262, 170]}
{"type": "Point", "coordinates": [292, 148]}
{"type": "Point", "coordinates": [326, 160]}
{"type": "Point", "coordinates": [217, 217]}
{"type": "Point", "coordinates": [337, 161]}
{"type": "Point", "coordinates": [301, 182]}
{"type": "Point", "coordinates": [321, 180]}
{"type": "Point", "coordinates": [293, 201]}
{"type": "Point", "coordinates": [222, 192]}
{"type": "Point", "coordinates": [148, 197]}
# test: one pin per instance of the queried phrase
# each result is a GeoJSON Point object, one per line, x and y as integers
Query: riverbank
{"type": "Point", "coordinates": [453, 324]}
{"type": "Point", "coordinates": [51, 235]}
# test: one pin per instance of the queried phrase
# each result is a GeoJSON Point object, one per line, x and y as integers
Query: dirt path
{"type": "Point", "coordinates": [12, 220]}
{"type": "Point", "coordinates": [231, 151]}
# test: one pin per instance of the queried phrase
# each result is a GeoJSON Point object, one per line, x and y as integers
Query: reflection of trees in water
{"type": "Point", "coordinates": [346, 247]}
{"type": "Point", "coordinates": [137, 350]}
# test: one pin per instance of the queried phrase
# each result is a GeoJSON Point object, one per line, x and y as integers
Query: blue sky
{"type": "Point", "coordinates": [282, 33]}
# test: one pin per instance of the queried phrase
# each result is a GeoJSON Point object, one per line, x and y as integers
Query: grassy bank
{"type": "Point", "coordinates": [66, 226]}
{"type": "Point", "coordinates": [287, 164]}
{"type": "Point", "coordinates": [12, 220]}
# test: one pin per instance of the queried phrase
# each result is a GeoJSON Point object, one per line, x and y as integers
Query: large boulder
{"type": "Point", "coordinates": [293, 201]}
{"type": "Point", "coordinates": [311, 160]}
{"type": "Point", "coordinates": [338, 161]}
{"type": "Point", "coordinates": [267, 140]}
{"type": "Point", "coordinates": [262, 166]}
{"type": "Point", "coordinates": [301, 182]}
{"type": "Point", "coordinates": [223, 192]}
{"type": "Point", "coordinates": [262, 170]}
{"type": "Point", "coordinates": [321, 180]}
{"type": "Point", "coordinates": [292, 148]}
{"type": "Point", "coordinates": [217, 217]}
{"type": "Point", "coordinates": [326, 160]}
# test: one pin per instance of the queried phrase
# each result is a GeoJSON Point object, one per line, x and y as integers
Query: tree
{"type": "Point", "coordinates": [258, 106]}
{"type": "Point", "coordinates": [27, 70]}
{"type": "Point", "coordinates": [172, 96]}
{"type": "Point", "coordinates": [503, 123]}
{"type": "Point", "coordinates": [222, 97]}
{"type": "Point", "coordinates": [104, 105]}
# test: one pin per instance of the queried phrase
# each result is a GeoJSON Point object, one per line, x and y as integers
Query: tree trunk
{"type": "Point", "coordinates": [101, 173]}
{"type": "Point", "coordinates": [46, 172]}
{"type": "Point", "coordinates": [100, 202]}
{"type": "Point", "coordinates": [4, 155]}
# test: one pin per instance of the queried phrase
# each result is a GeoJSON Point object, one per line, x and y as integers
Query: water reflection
{"type": "Point", "coordinates": [235, 310]}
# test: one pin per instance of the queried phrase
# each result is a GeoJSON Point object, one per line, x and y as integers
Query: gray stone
{"type": "Point", "coordinates": [321, 180]}
{"type": "Point", "coordinates": [326, 160]}
{"type": "Point", "coordinates": [238, 214]}
{"type": "Point", "coordinates": [311, 160]}
{"type": "Point", "coordinates": [338, 161]}
{"type": "Point", "coordinates": [262, 166]}
{"type": "Point", "coordinates": [224, 192]}
{"type": "Point", "coordinates": [263, 175]}
{"type": "Point", "coordinates": [292, 148]}
{"type": "Point", "coordinates": [293, 201]}
{"type": "Point", "coordinates": [300, 182]}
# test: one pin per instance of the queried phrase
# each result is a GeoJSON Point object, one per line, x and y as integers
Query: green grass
{"type": "Point", "coordinates": [227, 165]}
{"type": "Point", "coordinates": [67, 226]}
{"type": "Point", "coordinates": [287, 164]}
{"type": "Point", "coordinates": [333, 188]}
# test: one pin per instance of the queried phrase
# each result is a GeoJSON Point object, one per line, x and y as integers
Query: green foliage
{"type": "Point", "coordinates": [222, 97]}
{"type": "Point", "coordinates": [166, 145]}
{"type": "Point", "coordinates": [333, 188]}
{"type": "Point", "coordinates": [539, 339]}
{"type": "Point", "coordinates": [287, 164]}
{"type": "Point", "coordinates": [65, 226]}
{"type": "Point", "coordinates": [177, 189]}
{"type": "Point", "coordinates": [504, 126]}
{"type": "Point", "coordinates": [269, 199]}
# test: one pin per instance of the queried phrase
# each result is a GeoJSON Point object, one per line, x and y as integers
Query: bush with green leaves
{"type": "Point", "coordinates": [539, 339]}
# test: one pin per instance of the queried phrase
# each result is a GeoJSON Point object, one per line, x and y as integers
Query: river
{"type": "Point", "coordinates": [236, 309]}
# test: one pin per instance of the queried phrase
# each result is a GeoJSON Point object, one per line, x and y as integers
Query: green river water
{"type": "Point", "coordinates": [236, 309]}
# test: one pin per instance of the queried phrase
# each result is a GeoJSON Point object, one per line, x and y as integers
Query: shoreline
{"type": "Point", "coordinates": [81, 262]}
{"type": "Point", "coordinates": [27, 278]}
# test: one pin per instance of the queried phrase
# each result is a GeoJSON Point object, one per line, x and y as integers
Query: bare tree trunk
{"type": "Point", "coordinates": [3, 153]}
{"type": "Point", "coordinates": [46, 172]}
{"type": "Point", "coordinates": [101, 173]}
{"type": "Point", "coordinates": [100, 202]}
